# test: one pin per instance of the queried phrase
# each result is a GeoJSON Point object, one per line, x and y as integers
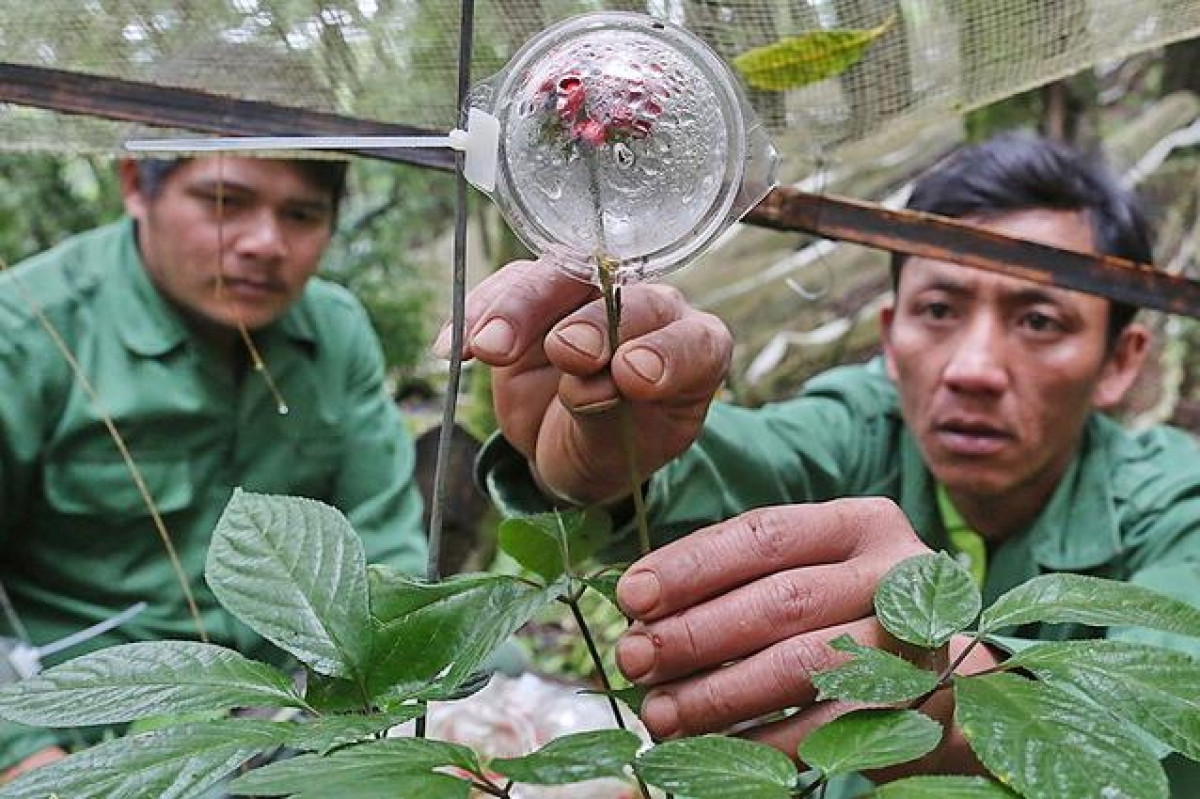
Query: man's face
{"type": "Point", "coordinates": [231, 240]}
{"type": "Point", "coordinates": [997, 375]}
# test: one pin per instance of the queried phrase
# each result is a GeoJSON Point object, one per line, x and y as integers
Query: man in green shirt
{"type": "Point", "coordinates": [223, 362]}
{"type": "Point", "coordinates": [978, 432]}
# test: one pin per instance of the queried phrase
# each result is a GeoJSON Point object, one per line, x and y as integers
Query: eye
{"type": "Point", "coordinates": [934, 309]}
{"type": "Point", "coordinates": [307, 216]}
{"type": "Point", "coordinates": [1041, 323]}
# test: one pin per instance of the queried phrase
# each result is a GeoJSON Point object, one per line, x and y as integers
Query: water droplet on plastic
{"type": "Point", "coordinates": [623, 156]}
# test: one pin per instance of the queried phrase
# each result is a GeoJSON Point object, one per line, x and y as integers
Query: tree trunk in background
{"type": "Point", "coordinates": [880, 85]}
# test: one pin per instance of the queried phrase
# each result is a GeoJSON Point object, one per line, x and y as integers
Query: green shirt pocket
{"type": "Point", "coordinates": [107, 489]}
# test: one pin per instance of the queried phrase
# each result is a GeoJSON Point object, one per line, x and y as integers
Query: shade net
{"type": "Point", "coordinates": [396, 60]}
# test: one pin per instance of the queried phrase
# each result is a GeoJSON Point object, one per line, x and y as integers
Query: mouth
{"type": "Point", "coordinates": [971, 436]}
{"type": "Point", "coordinates": [249, 288]}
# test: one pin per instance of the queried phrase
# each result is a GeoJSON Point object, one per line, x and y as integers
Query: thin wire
{"type": "Point", "coordinates": [136, 473]}
{"type": "Point", "coordinates": [258, 143]}
{"type": "Point", "coordinates": [14, 619]}
{"type": "Point", "coordinates": [458, 305]}
{"type": "Point", "coordinates": [458, 302]}
{"type": "Point", "coordinates": [256, 360]}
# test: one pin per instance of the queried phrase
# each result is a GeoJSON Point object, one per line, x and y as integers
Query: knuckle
{"type": "Point", "coordinates": [786, 601]}
{"type": "Point", "coordinates": [765, 533]}
{"type": "Point", "coordinates": [713, 704]}
{"type": "Point", "coordinates": [794, 663]}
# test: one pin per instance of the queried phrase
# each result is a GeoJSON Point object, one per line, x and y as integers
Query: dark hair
{"type": "Point", "coordinates": [329, 175]}
{"type": "Point", "coordinates": [1020, 171]}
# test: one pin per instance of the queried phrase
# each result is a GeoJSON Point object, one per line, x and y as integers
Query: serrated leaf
{"type": "Point", "coordinates": [133, 681]}
{"type": "Point", "coordinates": [379, 786]}
{"type": "Point", "coordinates": [927, 599]}
{"type": "Point", "coordinates": [1021, 731]}
{"type": "Point", "coordinates": [800, 60]}
{"type": "Point", "coordinates": [293, 569]}
{"type": "Point", "coordinates": [434, 636]}
{"type": "Point", "coordinates": [938, 787]}
{"type": "Point", "coordinates": [550, 544]}
{"type": "Point", "coordinates": [1095, 601]}
{"type": "Point", "coordinates": [573, 758]}
{"type": "Point", "coordinates": [400, 765]}
{"type": "Point", "coordinates": [605, 584]}
{"type": "Point", "coordinates": [166, 764]}
{"type": "Point", "coordinates": [717, 767]}
{"type": "Point", "coordinates": [869, 739]}
{"type": "Point", "coordinates": [327, 733]}
{"type": "Point", "coordinates": [632, 696]}
{"type": "Point", "coordinates": [873, 676]}
{"type": "Point", "coordinates": [1157, 689]}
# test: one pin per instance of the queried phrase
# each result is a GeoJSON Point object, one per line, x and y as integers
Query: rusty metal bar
{"type": "Point", "coordinates": [171, 107]}
{"type": "Point", "coordinates": [931, 236]}
{"type": "Point", "coordinates": [909, 232]}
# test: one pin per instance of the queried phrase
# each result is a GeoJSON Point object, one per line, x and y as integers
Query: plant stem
{"type": "Point", "coordinates": [590, 641]}
{"type": "Point", "coordinates": [607, 270]}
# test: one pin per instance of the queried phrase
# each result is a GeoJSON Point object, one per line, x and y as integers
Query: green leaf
{"type": "Point", "coordinates": [717, 767]}
{"type": "Point", "coordinates": [927, 599]}
{"type": "Point", "coordinates": [632, 696]}
{"type": "Point", "coordinates": [1081, 599]}
{"type": "Point", "coordinates": [134, 681]}
{"type": "Point", "coordinates": [1046, 742]}
{"type": "Point", "coordinates": [551, 544]}
{"type": "Point", "coordinates": [869, 739]}
{"type": "Point", "coordinates": [1157, 689]}
{"type": "Point", "coordinates": [573, 758]}
{"type": "Point", "coordinates": [443, 631]}
{"type": "Point", "coordinates": [800, 60]}
{"type": "Point", "coordinates": [402, 765]}
{"type": "Point", "coordinates": [931, 787]}
{"type": "Point", "coordinates": [872, 676]}
{"type": "Point", "coordinates": [327, 733]}
{"type": "Point", "coordinates": [166, 764]}
{"type": "Point", "coordinates": [293, 570]}
{"type": "Point", "coordinates": [605, 583]}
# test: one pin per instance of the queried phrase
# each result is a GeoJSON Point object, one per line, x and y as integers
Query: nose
{"type": "Point", "coordinates": [262, 236]}
{"type": "Point", "coordinates": [978, 360]}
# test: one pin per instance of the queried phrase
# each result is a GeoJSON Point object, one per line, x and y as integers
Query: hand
{"type": "Point", "coordinates": [731, 622]}
{"type": "Point", "coordinates": [38, 759]}
{"type": "Point", "coordinates": [545, 334]}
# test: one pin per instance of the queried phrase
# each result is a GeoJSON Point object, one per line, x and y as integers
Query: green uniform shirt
{"type": "Point", "coordinates": [78, 543]}
{"type": "Point", "coordinates": [1128, 507]}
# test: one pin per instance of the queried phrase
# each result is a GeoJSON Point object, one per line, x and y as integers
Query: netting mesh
{"type": "Point", "coordinates": [394, 60]}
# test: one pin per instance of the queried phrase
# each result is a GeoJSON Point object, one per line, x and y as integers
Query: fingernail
{"type": "Point", "coordinates": [647, 363]}
{"type": "Point", "coordinates": [441, 344]}
{"type": "Point", "coordinates": [660, 714]}
{"type": "Point", "coordinates": [496, 338]}
{"type": "Point", "coordinates": [639, 592]}
{"type": "Point", "coordinates": [636, 655]}
{"type": "Point", "coordinates": [585, 339]}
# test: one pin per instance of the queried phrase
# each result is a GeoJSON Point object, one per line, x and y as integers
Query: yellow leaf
{"type": "Point", "coordinates": [800, 60]}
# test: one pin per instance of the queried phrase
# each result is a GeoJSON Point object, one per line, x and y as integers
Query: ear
{"type": "Point", "coordinates": [136, 202]}
{"type": "Point", "coordinates": [887, 317]}
{"type": "Point", "coordinates": [1122, 366]}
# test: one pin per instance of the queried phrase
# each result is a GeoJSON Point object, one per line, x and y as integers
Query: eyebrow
{"type": "Point", "coordinates": [1026, 295]}
{"type": "Point", "coordinates": [226, 186]}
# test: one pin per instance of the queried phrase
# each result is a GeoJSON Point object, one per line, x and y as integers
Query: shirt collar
{"type": "Point", "coordinates": [155, 328]}
{"type": "Point", "coordinates": [1076, 531]}
{"type": "Point", "coordinates": [147, 324]}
